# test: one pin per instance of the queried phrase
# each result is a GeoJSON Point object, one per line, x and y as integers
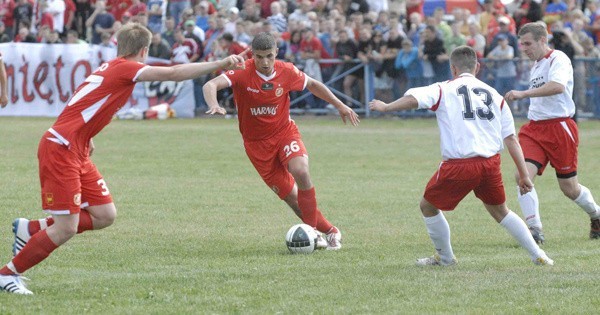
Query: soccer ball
{"type": "Point", "coordinates": [301, 239]}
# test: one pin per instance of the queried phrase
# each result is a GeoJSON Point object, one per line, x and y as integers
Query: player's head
{"type": "Point", "coordinates": [133, 39]}
{"type": "Point", "coordinates": [534, 40]}
{"type": "Point", "coordinates": [463, 59]}
{"type": "Point", "coordinates": [264, 51]}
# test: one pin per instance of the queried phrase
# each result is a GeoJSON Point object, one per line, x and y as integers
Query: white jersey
{"type": "Point", "coordinates": [555, 66]}
{"type": "Point", "coordinates": [471, 115]}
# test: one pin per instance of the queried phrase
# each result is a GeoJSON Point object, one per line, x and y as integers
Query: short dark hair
{"type": "Point", "coordinates": [227, 36]}
{"type": "Point", "coordinates": [263, 41]}
{"type": "Point", "coordinates": [464, 58]}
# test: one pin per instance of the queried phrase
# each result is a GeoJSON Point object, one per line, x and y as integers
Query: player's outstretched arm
{"type": "Point", "coordinates": [3, 86]}
{"type": "Point", "coordinates": [210, 90]}
{"type": "Point", "coordinates": [190, 71]}
{"type": "Point", "coordinates": [321, 91]}
{"type": "Point", "coordinates": [516, 153]}
{"type": "Point", "coordinates": [548, 89]}
{"type": "Point", "coordinates": [403, 103]}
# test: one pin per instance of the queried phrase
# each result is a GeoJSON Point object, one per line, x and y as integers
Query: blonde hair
{"type": "Point", "coordinates": [131, 38]}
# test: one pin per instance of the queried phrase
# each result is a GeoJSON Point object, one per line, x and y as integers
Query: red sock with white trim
{"type": "Point", "coordinates": [85, 222]}
{"type": "Point", "coordinates": [38, 225]}
{"type": "Point", "coordinates": [39, 247]}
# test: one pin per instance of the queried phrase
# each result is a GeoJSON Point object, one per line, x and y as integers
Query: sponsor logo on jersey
{"type": "Point", "coordinates": [249, 89]}
{"type": "Point", "coordinates": [279, 92]}
{"type": "Point", "coordinates": [77, 199]}
{"type": "Point", "coordinates": [266, 86]}
{"type": "Point", "coordinates": [537, 82]}
{"type": "Point", "coordinates": [265, 110]}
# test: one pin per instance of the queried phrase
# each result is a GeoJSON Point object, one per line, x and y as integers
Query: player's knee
{"type": "Point", "coordinates": [570, 191]}
{"type": "Point", "coordinates": [106, 219]}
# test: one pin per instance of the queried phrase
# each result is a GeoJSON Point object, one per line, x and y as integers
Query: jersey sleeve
{"type": "Point", "coordinates": [296, 78]}
{"type": "Point", "coordinates": [233, 76]}
{"type": "Point", "coordinates": [130, 71]}
{"type": "Point", "coordinates": [560, 70]}
{"type": "Point", "coordinates": [429, 97]}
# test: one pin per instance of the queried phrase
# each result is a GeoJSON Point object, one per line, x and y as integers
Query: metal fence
{"type": "Point", "coordinates": [586, 90]}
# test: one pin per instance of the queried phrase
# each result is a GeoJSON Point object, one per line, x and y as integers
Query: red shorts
{"type": "Point", "coordinates": [456, 178]}
{"type": "Point", "coordinates": [271, 156]}
{"type": "Point", "coordinates": [554, 141]}
{"type": "Point", "coordinates": [69, 182]}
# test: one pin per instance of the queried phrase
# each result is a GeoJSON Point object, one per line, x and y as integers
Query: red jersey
{"type": "Point", "coordinates": [95, 102]}
{"type": "Point", "coordinates": [263, 103]}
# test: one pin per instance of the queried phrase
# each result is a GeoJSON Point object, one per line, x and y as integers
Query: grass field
{"type": "Point", "coordinates": [198, 231]}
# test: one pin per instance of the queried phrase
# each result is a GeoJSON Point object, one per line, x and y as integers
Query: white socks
{"type": "Point", "coordinates": [587, 203]}
{"type": "Point", "coordinates": [439, 232]}
{"type": "Point", "coordinates": [517, 228]}
{"type": "Point", "coordinates": [530, 206]}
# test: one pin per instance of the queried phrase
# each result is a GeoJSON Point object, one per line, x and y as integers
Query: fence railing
{"type": "Point", "coordinates": [503, 75]}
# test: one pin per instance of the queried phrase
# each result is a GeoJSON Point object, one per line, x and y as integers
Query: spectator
{"type": "Point", "coordinates": [159, 48]}
{"type": "Point", "coordinates": [321, 7]}
{"type": "Point", "coordinates": [106, 41]}
{"type": "Point", "coordinates": [555, 11]}
{"type": "Point", "coordinates": [506, 70]}
{"type": "Point", "coordinates": [233, 15]}
{"type": "Point", "coordinates": [202, 16]}
{"type": "Point", "coordinates": [277, 19]}
{"type": "Point", "coordinates": [311, 50]}
{"type": "Point", "coordinates": [176, 8]}
{"type": "Point", "coordinates": [357, 6]}
{"type": "Point", "coordinates": [347, 50]}
{"type": "Point", "coordinates": [73, 38]}
{"type": "Point", "coordinates": [22, 12]}
{"type": "Point", "coordinates": [394, 46]}
{"type": "Point", "coordinates": [242, 35]}
{"type": "Point", "coordinates": [69, 15]}
{"type": "Point", "coordinates": [24, 36]}
{"type": "Point", "coordinates": [185, 50]}
{"type": "Point", "coordinates": [414, 6]}
{"type": "Point", "coordinates": [415, 28]}
{"type": "Point", "coordinates": [190, 28]}
{"type": "Point", "coordinates": [408, 61]}
{"type": "Point", "coordinates": [456, 38]}
{"type": "Point", "coordinates": [476, 39]}
{"type": "Point", "coordinates": [83, 10]}
{"type": "Point", "coordinates": [301, 14]}
{"type": "Point", "coordinates": [137, 7]}
{"type": "Point", "coordinates": [378, 6]}
{"type": "Point", "coordinates": [4, 37]}
{"type": "Point", "coordinates": [250, 12]}
{"type": "Point", "coordinates": [504, 27]}
{"type": "Point", "coordinates": [42, 33]}
{"type": "Point", "coordinates": [53, 38]}
{"type": "Point", "coordinates": [169, 33]}
{"type": "Point", "coordinates": [293, 53]}
{"type": "Point", "coordinates": [215, 31]}
{"type": "Point", "coordinates": [156, 14]}
{"type": "Point", "coordinates": [6, 13]}
{"type": "Point", "coordinates": [528, 11]}
{"type": "Point", "coordinates": [101, 21]}
{"type": "Point", "coordinates": [56, 8]}
{"type": "Point", "coordinates": [435, 53]}
{"type": "Point", "coordinates": [118, 8]}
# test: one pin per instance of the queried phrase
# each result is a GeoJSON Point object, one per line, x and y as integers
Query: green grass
{"type": "Point", "coordinates": [199, 232]}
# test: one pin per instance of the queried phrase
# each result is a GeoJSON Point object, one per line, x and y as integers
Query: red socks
{"type": "Point", "coordinates": [37, 249]}
{"type": "Point", "coordinates": [85, 223]}
{"type": "Point", "coordinates": [41, 224]}
{"type": "Point", "coordinates": [307, 201]}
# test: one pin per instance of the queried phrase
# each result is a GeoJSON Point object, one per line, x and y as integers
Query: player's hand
{"type": "Point", "coordinates": [525, 185]}
{"type": "Point", "coordinates": [216, 110]}
{"type": "Point", "coordinates": [514, 95]}
{"type": "Point", "coordinates": [3, 101]}
{"type": "Point", "coordinates": [236, 62]}
{"type": "Point", "coordinates": [348, 114]}
{"type": "Point", "coordinates": [377, 105]}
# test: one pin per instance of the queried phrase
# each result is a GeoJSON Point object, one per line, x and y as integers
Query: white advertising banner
{"type": "Point", "coordinates": [42, 78]}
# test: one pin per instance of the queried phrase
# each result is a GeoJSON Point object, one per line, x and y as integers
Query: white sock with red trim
{"type": "Point", "coordinates": [439, 232]}
{"type": "Point", "coordinates": [587, 203]}
{"type": "Point", "coordinates": [530, 206]}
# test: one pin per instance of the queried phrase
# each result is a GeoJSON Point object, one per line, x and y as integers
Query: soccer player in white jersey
{"type": "Point", "coordinates": [73, 190]}
{"type": "Point", "coordinates": [475, 124]}
{"type": "Point", "coordinates": [551, 136]}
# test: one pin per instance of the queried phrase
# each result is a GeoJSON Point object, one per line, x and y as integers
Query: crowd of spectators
{"type": "Point", "coordinates": [403, 46]}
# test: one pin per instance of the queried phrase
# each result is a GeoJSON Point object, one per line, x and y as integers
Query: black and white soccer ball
{"type": "Point", "coordinates": [301, 239]}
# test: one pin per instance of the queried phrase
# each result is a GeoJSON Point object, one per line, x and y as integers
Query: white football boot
{"type": "Point", "coordinates": [321, 242]}
{"type": "Point", "coordinates": [435, 260]}
{"type": "Point", "coordinates": [543, 260]}
{"type": "Point", "coordinates": [334, 240]}
{"type": "Point", "coordinates": [13, 284]}
{"type": "Point", "coordinates": [21, 231]}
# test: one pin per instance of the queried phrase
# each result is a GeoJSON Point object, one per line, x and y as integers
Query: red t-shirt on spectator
{"type": "Point", "coordinates": [118, 7]}
{"type": "Point", "coordinates": [8, 7]}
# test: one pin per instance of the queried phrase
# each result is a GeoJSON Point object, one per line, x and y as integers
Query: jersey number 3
{"type": "Point", "coordinates": [486, 98]}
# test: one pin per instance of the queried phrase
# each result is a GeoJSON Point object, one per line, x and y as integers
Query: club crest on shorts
{"type": "Point", "coordinates": [77, 199]}
{"type": "Point", "coordinates": [49, 199]}
{"type": "Point", "coordinates": [279, 92]}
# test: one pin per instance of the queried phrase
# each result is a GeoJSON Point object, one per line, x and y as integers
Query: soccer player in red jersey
{"type": "Point", "coordinates": [73, 191]}
{"type": "Point", "coordinates": [271, 138]}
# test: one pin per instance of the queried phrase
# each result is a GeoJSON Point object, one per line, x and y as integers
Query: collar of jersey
{"type": "Point", "coordinates": [262, 76]}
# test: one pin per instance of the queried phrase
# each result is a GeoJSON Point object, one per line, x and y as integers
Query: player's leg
{"type": "Point", "coordinates": [582, 196]}
{"type": "Point", "coordinates": [439, 233]}
{"type": "Point", "coordinates": [536, 161]}
{"type": "Point", "coordinates": [307, 201]}
{"type": "Point", "coordinates": [517, 228]}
